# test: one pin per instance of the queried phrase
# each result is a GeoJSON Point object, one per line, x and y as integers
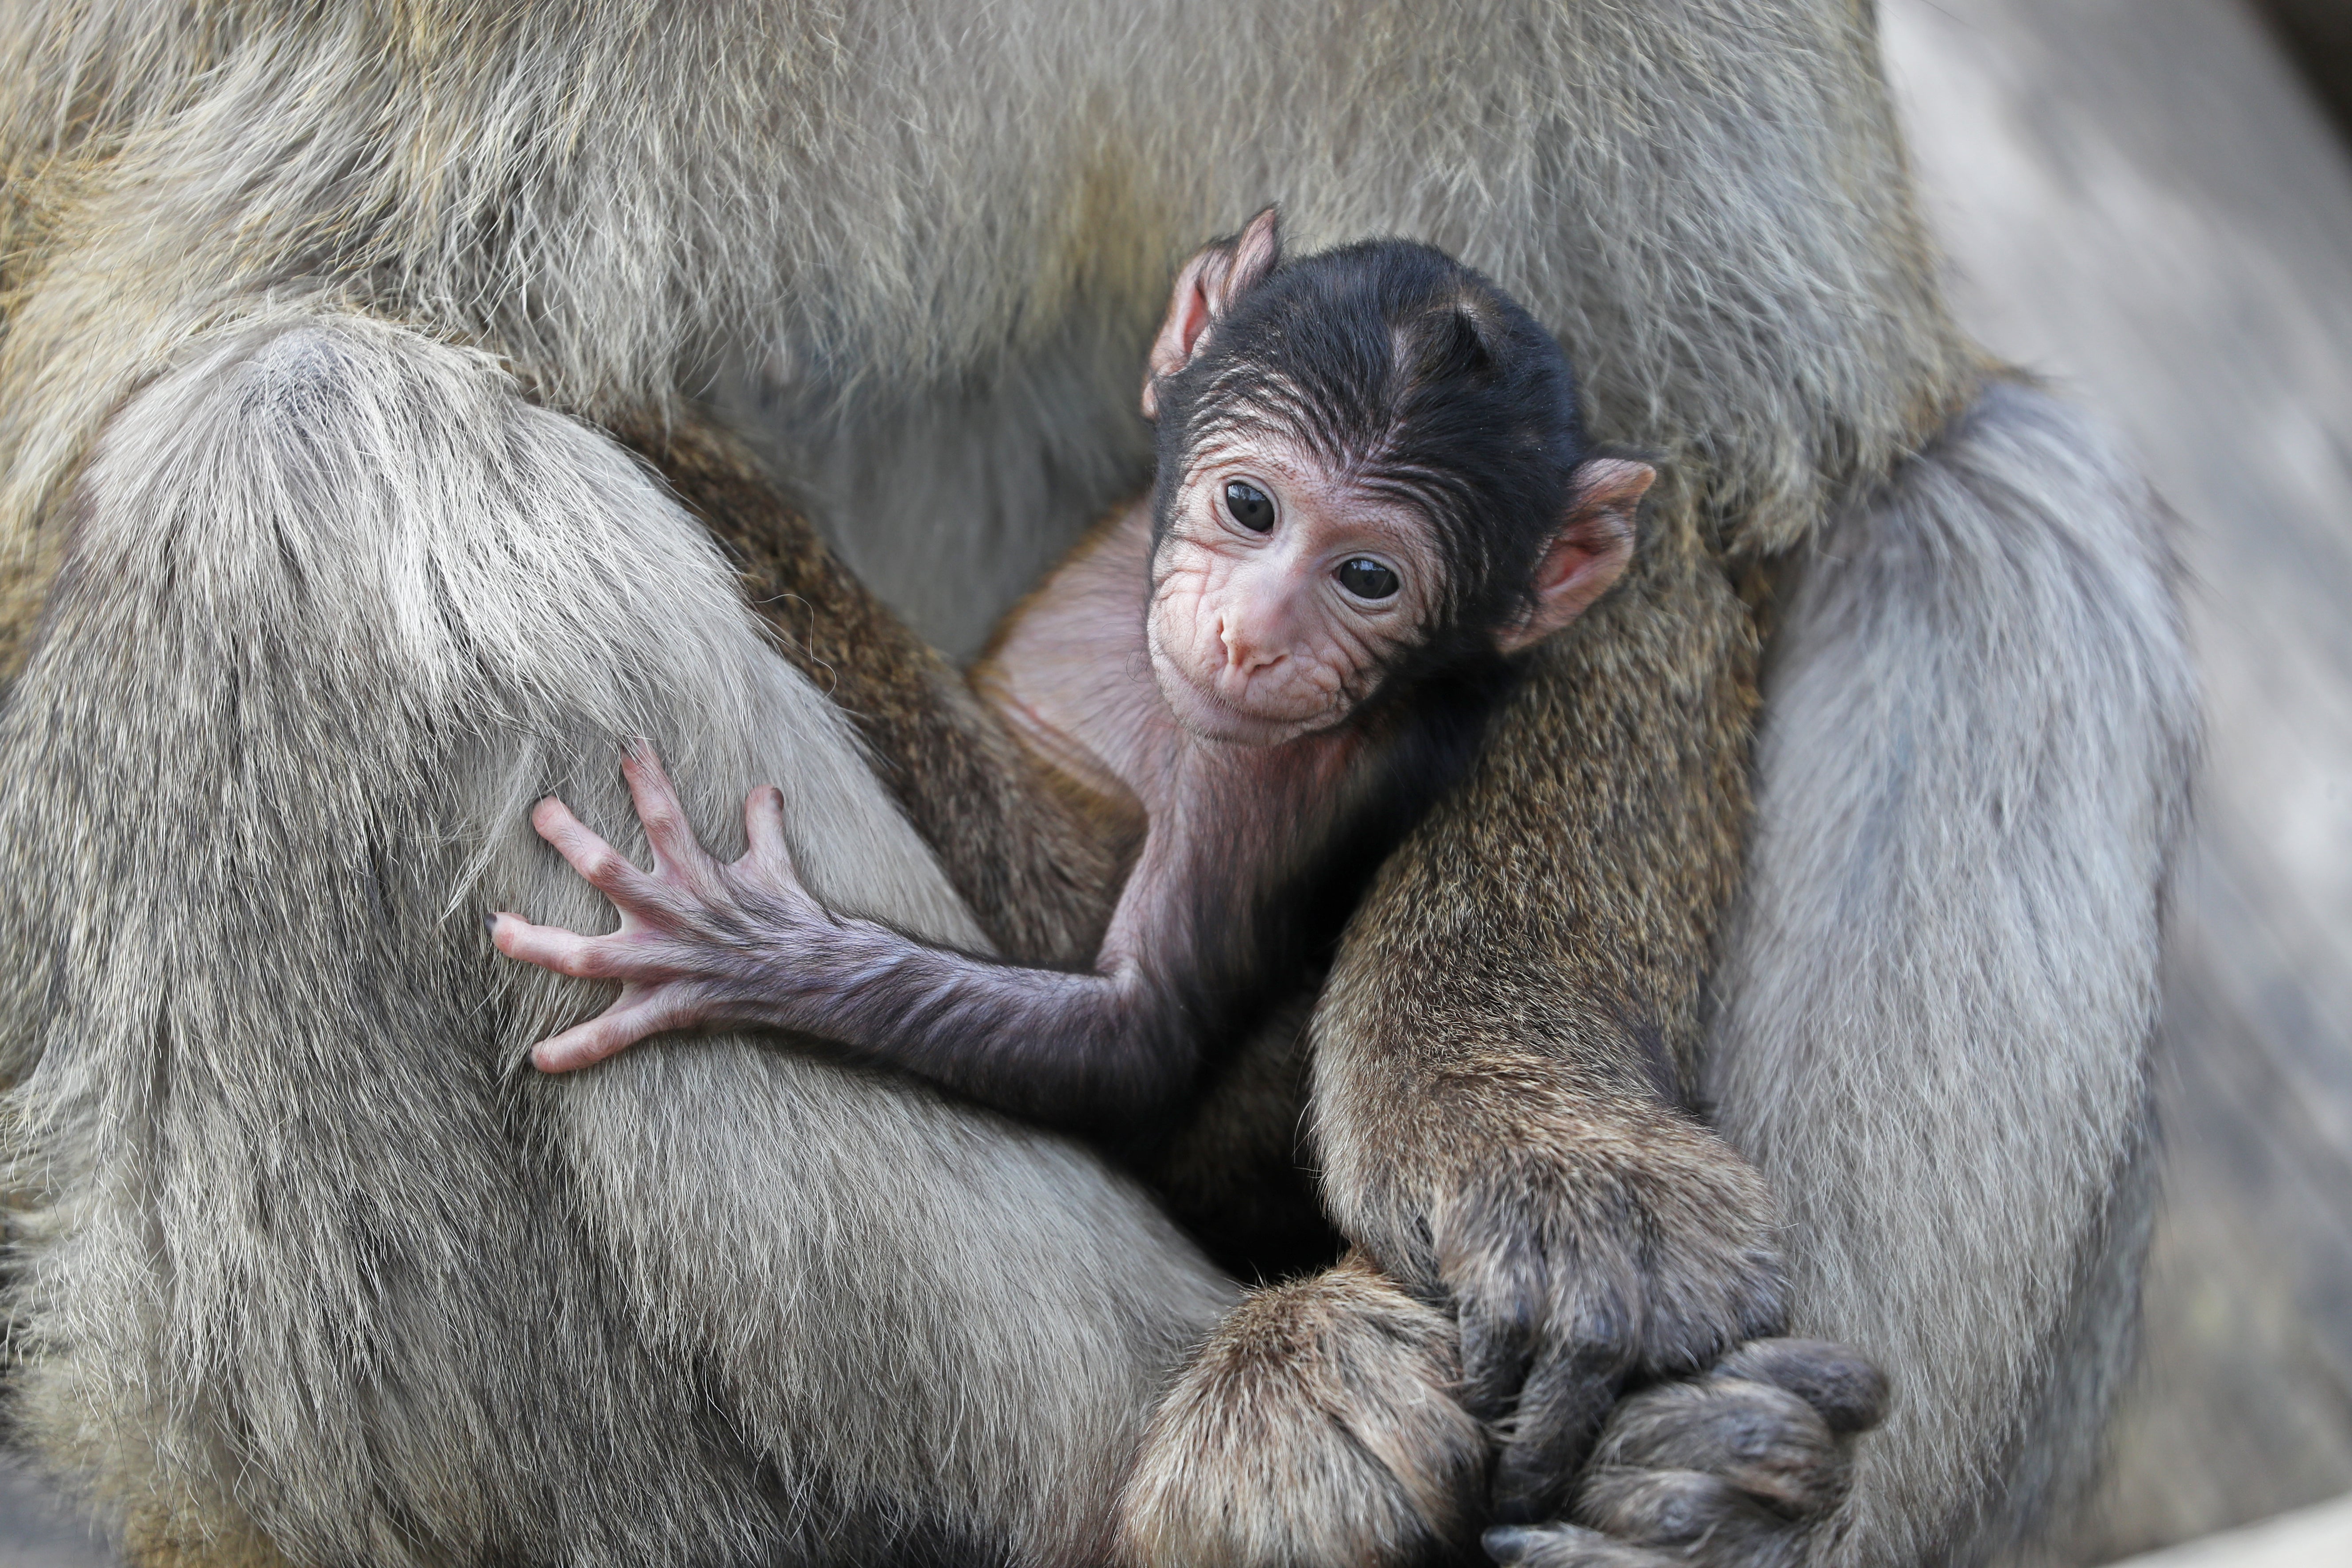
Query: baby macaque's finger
{"type": "Point", "coordinates": [606, 869]}
{"type": "Point", "coordinates": [607, 1034]}
{"type": "Point", "coordinates": [764, 830]}
{"type": "Point", "coordinates": [671, 835]}
{"type": "Point", "coordinates": [550, 947]}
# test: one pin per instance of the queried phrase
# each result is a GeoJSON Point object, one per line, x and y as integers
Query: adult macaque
{"type": "Point", "coordinates": [320, 560]}
{"type": "Point", "coordinates": [1375, 489]}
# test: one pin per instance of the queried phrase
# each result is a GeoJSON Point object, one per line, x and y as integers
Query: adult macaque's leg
{"type": "Point", "coordinates": [313, 1257]}
{"type": "Point", "coordinates": [1037, 860]}
{"type": "Point", "coordinates": [1941, 983]}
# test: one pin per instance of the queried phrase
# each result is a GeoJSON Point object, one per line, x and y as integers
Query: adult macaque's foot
{"type": "Point", "coordinates": [1317, 1427]}
{"type": "Point", "coordinates": [1739, 1468]}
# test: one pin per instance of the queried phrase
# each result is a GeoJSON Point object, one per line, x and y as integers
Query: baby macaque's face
{"type": "Point", "coordinates": [1279, 591]}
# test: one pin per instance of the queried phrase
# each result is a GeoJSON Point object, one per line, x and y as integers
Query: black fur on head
{"type": "Point", "coordinates": [1420, 379]}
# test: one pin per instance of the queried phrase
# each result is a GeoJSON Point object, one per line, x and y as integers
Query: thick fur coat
{"type": "Point", "coordinates": [317, 565]}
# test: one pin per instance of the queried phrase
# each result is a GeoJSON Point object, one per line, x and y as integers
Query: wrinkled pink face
{"type": "Point", "coordinates": [1278, 592]}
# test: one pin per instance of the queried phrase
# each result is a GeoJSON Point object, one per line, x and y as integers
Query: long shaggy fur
{"type": "Point", "coordinates": [1982, 702]}
{"type": "Point", "coordinates": [307, 1243]}
{"type": "Point", "coordinates": [616, 192]}
{"type": "Point", "coordinates": [323, 598]}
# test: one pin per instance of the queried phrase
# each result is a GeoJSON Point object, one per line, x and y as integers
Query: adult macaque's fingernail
{"type": "Point", "coordinates": [491, 921]}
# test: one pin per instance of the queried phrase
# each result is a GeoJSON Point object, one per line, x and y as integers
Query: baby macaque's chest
{"type": "Point", "coordinates": [1069, 670]}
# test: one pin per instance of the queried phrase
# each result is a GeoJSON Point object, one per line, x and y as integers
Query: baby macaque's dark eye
{"type": "Point", "coordinates": [1367, 578]}
{"type": "Point", "coordinates": [1250, 507]}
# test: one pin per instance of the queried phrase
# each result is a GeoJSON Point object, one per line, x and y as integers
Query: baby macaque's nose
{"type": "Point", "coordinates": [1244, 654]}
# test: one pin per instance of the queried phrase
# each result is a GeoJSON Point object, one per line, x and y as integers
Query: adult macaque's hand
{"type": "Point", "coordinates": [700, 943]}
{"type": "Point", "coordinates": [1585, 1240]}
{"type": "Point", "coordinates": [1739, 1469]}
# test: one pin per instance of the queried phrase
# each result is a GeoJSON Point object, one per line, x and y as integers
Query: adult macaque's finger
{"type": "Point", "coordinates": [1560, 1408]}
{"type": "Point", "coordinates": [606, 869]}
{"type": "Point", "coordinates": [1498, 1345]}
{"type": "Point", "coordinates": [671, 835]}
{"type": "Point", "coordinates": [764, 830]}
{"type": "Point", "coordinates": [1565, 1546]}
{"type": "Point", "coordinates": [1844, 1387]}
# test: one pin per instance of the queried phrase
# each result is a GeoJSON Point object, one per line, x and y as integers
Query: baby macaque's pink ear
{"type": "Point", "coordinates": [1590, 551]}
{"type": "Point", "coordinates": [1205, 290]}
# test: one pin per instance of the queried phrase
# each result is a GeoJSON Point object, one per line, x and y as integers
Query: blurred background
{"type": "Point", "coordinates": [2149, 202]}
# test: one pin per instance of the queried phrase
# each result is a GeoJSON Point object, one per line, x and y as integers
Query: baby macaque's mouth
{"type": "Point", "coordinates": [1208, 712]}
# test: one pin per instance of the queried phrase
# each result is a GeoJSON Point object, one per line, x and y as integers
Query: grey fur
{"type": "Point", "coordinates": [1972, 775]}
{"type": "Point", "coordinates": [616, 195]}
{"type": "Point", "coordinates": [376, 1285]}
{"type": "Point", "coordinates": [301, 1243]}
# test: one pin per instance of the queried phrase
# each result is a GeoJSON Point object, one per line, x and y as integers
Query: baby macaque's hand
{"type": "Point", "coordinates": [700, 943]}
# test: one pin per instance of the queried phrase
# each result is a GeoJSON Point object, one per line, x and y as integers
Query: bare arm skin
{"type": "Point", "coordinates": [702, 944]}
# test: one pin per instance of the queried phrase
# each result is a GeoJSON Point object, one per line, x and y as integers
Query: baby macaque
{"type": "Point", "coordinates": [1373, 492]}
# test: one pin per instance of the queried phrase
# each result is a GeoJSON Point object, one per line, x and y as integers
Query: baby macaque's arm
{"type": "Point", "coordinates": [1038, 862]}
{"type": "Point", "coordinates": [702, 943]}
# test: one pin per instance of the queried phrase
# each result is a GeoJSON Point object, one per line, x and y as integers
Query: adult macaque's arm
{"type": "Point", "coordinates": [1502, 1049]}
{"type": "Point", "coordinates": [1037, 859]}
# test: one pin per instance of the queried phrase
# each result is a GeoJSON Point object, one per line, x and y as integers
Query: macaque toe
{"type": "Point", "coordinates": [1694, 1518]}
{"type": "Point", "coordinates": [1317, 1426]}
{"type": "Point", "coordinates": [1560, 1408]}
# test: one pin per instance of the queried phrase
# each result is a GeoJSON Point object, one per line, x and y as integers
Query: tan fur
{"type": "Point", "coordinates": [1317, 1426]}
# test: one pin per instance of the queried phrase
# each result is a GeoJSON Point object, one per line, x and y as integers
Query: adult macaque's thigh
{"type": "Point", "coordinates": [311, 1255]}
